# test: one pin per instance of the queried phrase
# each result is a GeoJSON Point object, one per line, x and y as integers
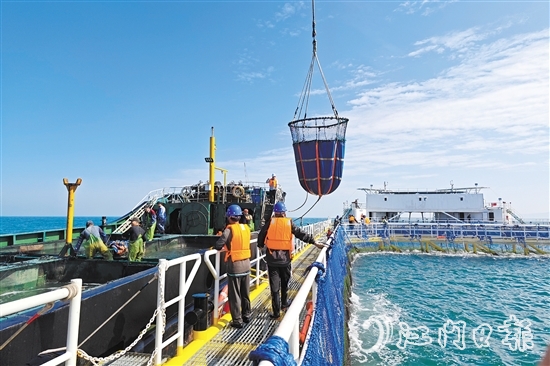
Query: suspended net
{"type": "Point", "coordinates": [319, 145]}
{"type": "Point", "coordinates": [318, 142]}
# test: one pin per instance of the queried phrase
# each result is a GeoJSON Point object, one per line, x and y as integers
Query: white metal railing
{"type": "Point", "coordinates": [289, 327]}
{"type": "Point", "coordinates": [315, 229]}
{"type": "Point", "coordinates": [184, 285]}
{"type": "Point", "coordinates": [215, 271]}
{"type": "Point", "coordinates": [72, 292]}
{"type": "Point", "coordinates": [459, 230]}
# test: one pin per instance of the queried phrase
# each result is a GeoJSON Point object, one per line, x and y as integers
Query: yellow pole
{"type": "Point", "coordinates": [71, 188]}
{"type": "Point", "coordinates": [212, 166]}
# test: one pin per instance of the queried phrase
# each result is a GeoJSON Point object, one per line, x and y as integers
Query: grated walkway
{"type": "Point", "coordinates": [231, 346]}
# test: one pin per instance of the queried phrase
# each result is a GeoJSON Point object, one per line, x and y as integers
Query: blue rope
{"type": "Point", "coordinates": [275, 350]}
{"type": "Point", "coordinates": [320, 267]}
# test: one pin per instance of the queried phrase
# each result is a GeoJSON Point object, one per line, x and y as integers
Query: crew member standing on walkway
{"type": "Point", "coordinates": [161, 217]}
{"type": "Point", "coordinates": [235, 239]}
{"type": "Point", "coordinates": [150, 221]}
{"type": "Point", "coordinates": [94, 240]}
{"type": "Point", "coordinates": [272, 188]}
{"type": "Point", "coordinates": [136, 246]}
{"type": "Point", "coordinates": [277, 235]}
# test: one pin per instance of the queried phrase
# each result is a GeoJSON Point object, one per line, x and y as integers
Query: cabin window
{"type": "Point", "coordinates": [425, 198]}
{"type": "Point", "coordinates": [385, 198]}
{"type": "Point", "coordinates": [462, 198]}
{"type": "Point", "coordinates": [420, 198]}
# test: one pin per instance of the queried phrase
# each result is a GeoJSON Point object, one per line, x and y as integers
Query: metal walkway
{"type": "Point", "coordinates": [231, 346]}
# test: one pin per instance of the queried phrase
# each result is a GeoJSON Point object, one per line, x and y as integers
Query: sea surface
{"type": "Point", "coordinates": [427, 309]}
{"type": "Point", "coordinates": [29, 224]}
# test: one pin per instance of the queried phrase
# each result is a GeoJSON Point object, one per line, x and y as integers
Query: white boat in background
{"type": "Point", "coordinates": [449, 205]}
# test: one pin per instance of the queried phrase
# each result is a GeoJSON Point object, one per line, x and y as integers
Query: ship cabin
{"type": "Point", "coordinates": [454, 205]}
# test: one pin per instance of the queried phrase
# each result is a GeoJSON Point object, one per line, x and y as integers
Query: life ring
{"type": "Point", "coordinates": [307, 320]}
{"type": "Point", "coordinates": [238, 191]}
{"type": "Point", "coordinates": [223, 303]}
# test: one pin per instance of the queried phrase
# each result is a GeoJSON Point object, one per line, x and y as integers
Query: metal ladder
{"type": "Point", "coordinates": [136, 214]}
{"type": "Point", "coordinates": [515, 216]}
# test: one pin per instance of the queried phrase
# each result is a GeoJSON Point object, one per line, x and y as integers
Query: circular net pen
{"type": "Point", "coordinates": [319, 145]}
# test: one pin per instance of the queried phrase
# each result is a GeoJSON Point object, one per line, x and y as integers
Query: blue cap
{"type": "Point", "coordinates": [234, 210]}
{"type": "Point", "coordinates": [279, 207]}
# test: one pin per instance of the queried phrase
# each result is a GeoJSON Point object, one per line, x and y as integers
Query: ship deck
{"type": "Point", "coordinates": [222, 344]}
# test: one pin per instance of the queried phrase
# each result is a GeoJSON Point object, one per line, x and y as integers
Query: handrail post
{"type": "Point", "coordinates": [217, 289]}
{"type": "Point", "coordinates": [73, 323]}
{"type": "Point", "coordinates": [158, 329]}
{"type": "Point", "coordinates": [181, 304]}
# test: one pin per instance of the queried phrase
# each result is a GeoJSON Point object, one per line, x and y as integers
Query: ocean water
{"type": "Point", "coordinates": [29, 224]}
{"type": "Point", "coordinates": [426, 309]}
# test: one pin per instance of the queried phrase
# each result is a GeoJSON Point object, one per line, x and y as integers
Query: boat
{"type": "Point", "coordinates": [448, 219]}
{"type": "Point", "coordinates": [195, 213]}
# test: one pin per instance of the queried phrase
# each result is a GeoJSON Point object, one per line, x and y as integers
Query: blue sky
{"type": "Point", "coordinates": [123, 95]}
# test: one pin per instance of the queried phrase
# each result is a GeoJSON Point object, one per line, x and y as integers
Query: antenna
{"type": "Point", "coordinates": [245, 174]}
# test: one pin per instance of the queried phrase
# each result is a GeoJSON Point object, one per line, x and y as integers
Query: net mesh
{"type": "Point", "coordinates": [318, 128]}
{"type": "Point", "coordinates": [319, 146]}
{"type": "Point", "coordinates": [327, 341]}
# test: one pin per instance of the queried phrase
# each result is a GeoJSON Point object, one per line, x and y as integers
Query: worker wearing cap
{"type": "Point", "coordinates": [94, 240]}
{"type": "Point", "coordinates": [278, 236]}
{"type": "Point", "coordinates": [136, 246]}
{"type": "Point", "coordinates": [272, 188]}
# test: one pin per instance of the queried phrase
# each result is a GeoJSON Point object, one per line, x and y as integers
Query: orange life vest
{"type": "Point", "coordinates": [279, 234]}
{"type": "Point", "coordinates": [272, 183]}
{"type": "Point", "coordinates": [240, 242]}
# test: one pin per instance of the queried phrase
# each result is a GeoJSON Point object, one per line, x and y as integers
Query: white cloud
{"type": "Point", "coordinates": [484, 120]}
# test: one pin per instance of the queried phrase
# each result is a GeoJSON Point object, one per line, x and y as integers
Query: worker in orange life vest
{"type": "Point", "coordinates": [235, 239]}
{"type": "Point", "coordinates": [277, 235]}
{"type": "Point", "coordinates": [272, 188]}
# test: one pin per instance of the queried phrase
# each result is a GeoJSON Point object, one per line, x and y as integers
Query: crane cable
{"type": "Point", "coordinates": [304, 96]}
{"type": "Point", "coordinates": [302, 205]}
{"type": "Point", "coordinates": [305, 213]}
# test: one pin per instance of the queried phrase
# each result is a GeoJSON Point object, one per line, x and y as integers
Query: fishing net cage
{"type": "Point", "coordinates": [319, 145]}
{"type": "Point", "coordinates": [318, 129]}
{"type": "Point", "coordinates": [328, 340]}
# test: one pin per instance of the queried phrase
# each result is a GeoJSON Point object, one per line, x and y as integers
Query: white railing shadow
{"type": "Point", "coordinates": [72, 292]}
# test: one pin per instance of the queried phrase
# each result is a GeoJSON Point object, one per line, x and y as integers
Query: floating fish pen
{"type": "Point", "coordinates": [451, 238]}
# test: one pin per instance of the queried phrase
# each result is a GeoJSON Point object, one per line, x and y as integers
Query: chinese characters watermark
{"type": "Point", "coordinates": [517, 334]}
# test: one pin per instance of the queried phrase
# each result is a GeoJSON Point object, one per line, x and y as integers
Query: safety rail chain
{"type": "Point", "coordinates": [159, 315]}
{"type": "Point", "coordinates": [314, 229]}
{"type": "Point", "coordinates": [72, 292]}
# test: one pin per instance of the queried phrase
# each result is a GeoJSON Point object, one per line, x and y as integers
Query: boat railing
{"type": "Point", "coordinates": [449, 231]}
{"type": "Point", "coordinates": [72, 292]}
{"type": "Point", "coordinates": [289, 329]}
{"type": "Point", "coordinates": [185, 282]}
{"type": "Point", "coordinates": [215, 271]}
{"type": "Point", "coordinates": [315, 230]}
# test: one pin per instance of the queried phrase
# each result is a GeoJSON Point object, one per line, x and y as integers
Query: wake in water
{"type": "Point", "coordinates": [460, 309]}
